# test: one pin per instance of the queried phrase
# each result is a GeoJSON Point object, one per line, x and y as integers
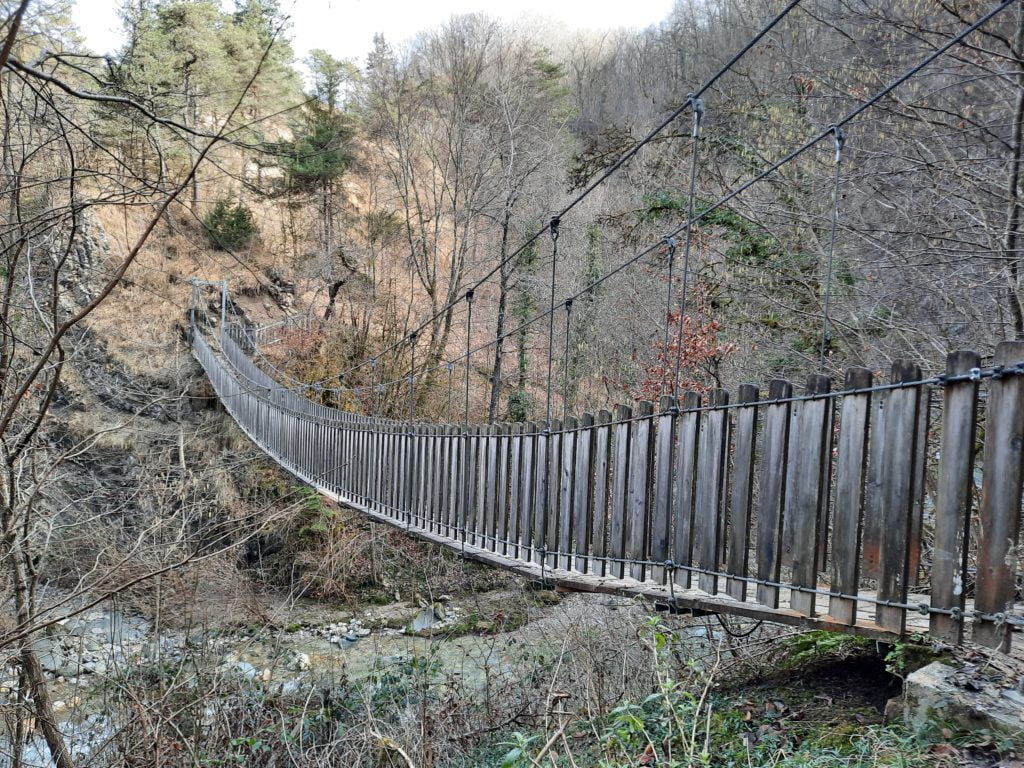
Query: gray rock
{"type": "Point", "coordinates": [962, 696]}
{"type": "Point", "coordinates": [96, 667]}
{"type": "Point", "coordinates": [245, 670]}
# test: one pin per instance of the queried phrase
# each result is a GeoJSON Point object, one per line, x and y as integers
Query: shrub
{"type": "Point", "coordinates": [230, 226]}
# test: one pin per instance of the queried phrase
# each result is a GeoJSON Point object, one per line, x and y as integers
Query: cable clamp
{"type": "Point", "coordinates": [555, 222]}
{"type": "Point", "coordinates": [413, 335]}
{"type": "Point", "coordinates": [469, 296]}
{"type": "Point", "coordinates": [697, 105]}
{"type": "Point", "coordinates": [997, 372]}
{"type": "Point", "coordinates": [373, 365]}
{"type": "Point", "coordinates": [839, 136]}
{"type": "Point", "coordinates": [974, 374]}
{"type": "Point", "coordinates": [670, 244]}
{"type": "Point", "coordinates": [568, 305]}
{"type": "Point", "coordinates": [451, 366]}
{"type": "Point", "coordinates": [923, 608]}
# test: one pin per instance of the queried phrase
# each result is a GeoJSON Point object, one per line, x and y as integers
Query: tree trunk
{"type": "Point", "coordinates": [33, 670]}
{"type": "Point", "coordinates": [499, 345]}
{"type": "Point", "coordinates": [1013, 212]}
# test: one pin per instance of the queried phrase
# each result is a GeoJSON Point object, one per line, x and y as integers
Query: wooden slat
{"type": "Point", "coordinates": [620, 490]}
{"type": "Point", "coordinates": [638, 518]}
{"type": "Point", "coordinates": [489, 482]}
{"type": "Point", "coordinates": [742, 491]}
{"type": "Point", "coordinates": [515, 475]}
{"type": "Point", "coordinates": [528, 494]}
{"type": "Point", "coordinates": [480, 494]}
{"type": "Point", "coordinates": [554, 492]}
{"type": "Point", "coordinates": [453, 486]}
{"type": "Point", "coordinates": [953, 499]}
{"type": "Point", "coordinates": [661, 514]}
{"type": "Point", "coordinates": [600, 520]}
{"type": "Point", "coordinates": [710, 480]}
{"type": "Point", "coordinates": [999, 514]}
{"type": "Point", "coordinates": [808, 441]}
{"type": "Point", "coordinates": [502, 489]}
{"type": "Point", "coordinates": [465, 490]}
{"type": "Point", "coordinates": [772, 490]}
{"type": "Point", "coordinates": [687, 446]}
{"type": "Point", "coordinates": [850, 470]}
{"type": "Point", "coordinates": [919, 472]}
{"type": "Point", "coordinates": [874, 503]}
{"type": "Point", "coordinates": [440, 475]}
{"type": "Point", "coordinates": [567, 467]}
{"type": "Point", "coordinates": [540, 488]}
{"type": "Point", "coordinates": [583, 486]}
{"type": "Point", "coordinates": [901, 421]}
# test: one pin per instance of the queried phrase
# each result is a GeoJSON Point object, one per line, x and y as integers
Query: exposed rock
{"type": "Point", "coordinates": [964, 696]}
{"type": "Point", "coordinates": [394, 616]}
{"type": "Point", "coordinates": [422, 623]}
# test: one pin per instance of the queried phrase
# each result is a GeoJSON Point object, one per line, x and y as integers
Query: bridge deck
{"type": "Point", "coordinates": [677, 599]}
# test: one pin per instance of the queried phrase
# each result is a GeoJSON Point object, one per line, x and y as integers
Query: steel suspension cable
{"type": "Point", "coordinates": [551, 323]}
{"type": "Point", "coordinates": [698, 113]}
{"type": "Point", "coordinates": [840, 139]}
{"type": "Point", "coordinates": [565, 363]}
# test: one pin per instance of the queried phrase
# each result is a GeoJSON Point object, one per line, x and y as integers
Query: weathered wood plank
{"type": "Point", "coordinates": [742, 491]}
{"type": "Point", "coordinates": [874, 502]}
{"type": "Point", "coordinates": [490, 483]}
{"type": "Point", "coordinates": [901, 422]}
{"type": "Point", "coordinates": [638, 517]}
{"type": "Point", "coordinates": [502, 490]}
{"type": "Point", "coordinates": [808, 443]}
{"type": "Point", "coordinates": [710, 480]}
{"type": "Point", "coordinates": [600, 521]}
{"type": "Point", "coordinates": [481, 488]}
{"type": "Point", "coordinates": [620, 490]}
{"type": "Point", "coordinates": [999, 514]}
{"type": "Point", "coordinates": [953, 498]}
{"type": "Point", "coordinates": [528, 494]}
{"type": "Point", "coordinates": [919, 471]}
{"type": "Point", "coordinates": [566, 473]}
{"type": "Point", "coordinates": [554, 496]}
{"type": "Point", "coordinates": [851, 466]}
{"type": "Point", "coordinates": [540, 487]}
{"type": "Point", "coordinates": [515, 476]}
{"type": "Point", "coordinates": [583, 486]}
{"type": "Point", "coordinates": [687, 447]}
{"type": "Point", "coordinates": [661, 514]}
{"type": "Point", "coordinates": [772, 482]}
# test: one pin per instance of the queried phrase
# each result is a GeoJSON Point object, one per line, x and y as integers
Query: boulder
{"type": "Point", "coordinates": [965, 696]}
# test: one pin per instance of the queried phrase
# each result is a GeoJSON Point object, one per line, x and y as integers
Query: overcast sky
{"type": "Point", "coordinates": [346, 27]}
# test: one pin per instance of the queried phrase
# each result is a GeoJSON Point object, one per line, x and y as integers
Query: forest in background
{"type": "Point", "coordinates": [370, 199]}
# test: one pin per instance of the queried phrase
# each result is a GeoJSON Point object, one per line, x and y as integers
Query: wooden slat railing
{"type": "Point", "coordinates": [855, 509]}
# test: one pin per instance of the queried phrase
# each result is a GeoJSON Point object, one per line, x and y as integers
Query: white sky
{"type": "Point", "coordinates": [346, 28]}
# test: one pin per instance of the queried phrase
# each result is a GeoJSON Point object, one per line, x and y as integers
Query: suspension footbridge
{"type": "Point", "coordinates": [802, 507]}
{"type": "Point", "coordinates": [873, 505]}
